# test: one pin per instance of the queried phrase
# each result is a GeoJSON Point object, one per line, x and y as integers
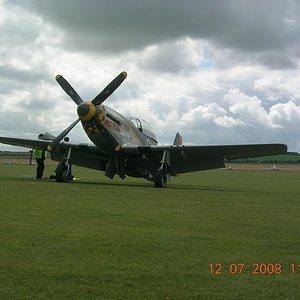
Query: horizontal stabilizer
{"type": "Point", "coordinates": [46, 136]}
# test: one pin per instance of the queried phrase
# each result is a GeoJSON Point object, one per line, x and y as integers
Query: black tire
{"type": "Point", "coordinates": [62, 174]}
{"type": "Point", "coordinates": [160, 180]}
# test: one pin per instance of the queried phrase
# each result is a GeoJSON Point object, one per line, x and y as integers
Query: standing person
{"type": "Point", "coordinates": [39, 156]}
{"type": "Point", "coordinates": [30, 158]}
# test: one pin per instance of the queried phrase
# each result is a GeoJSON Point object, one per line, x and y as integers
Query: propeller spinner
{"type": "Point", "coordinates": [84, 109]}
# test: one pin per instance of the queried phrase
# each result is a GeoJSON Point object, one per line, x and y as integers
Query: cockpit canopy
{"type": "Point", "coordinates": [143, 127]}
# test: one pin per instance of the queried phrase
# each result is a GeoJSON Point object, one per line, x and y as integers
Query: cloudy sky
{"type": "Point", "coordinates": [219, 72]}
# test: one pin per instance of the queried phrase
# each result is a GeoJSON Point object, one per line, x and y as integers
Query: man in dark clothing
{"type": "Point", "coordinates": [39, 156]}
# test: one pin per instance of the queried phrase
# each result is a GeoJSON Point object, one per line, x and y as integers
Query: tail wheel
{"type": "Point", "coordinates": [160, 180]}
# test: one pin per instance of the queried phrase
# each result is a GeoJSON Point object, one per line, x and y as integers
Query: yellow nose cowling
{"type": "Point", "coordinates": [86, 111]}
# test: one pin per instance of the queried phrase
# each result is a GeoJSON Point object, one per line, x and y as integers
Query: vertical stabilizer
{"type": "Point", "coordinates": [178, 139]}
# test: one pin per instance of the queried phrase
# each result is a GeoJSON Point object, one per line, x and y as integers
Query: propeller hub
{"type": "Point", "coordinates": [86, 111]}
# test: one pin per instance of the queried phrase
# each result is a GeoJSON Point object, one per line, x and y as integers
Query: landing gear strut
{"type": "Point", "coordinates": [163, 173]}
{"type": "Point", "coordinates": [63, 170]}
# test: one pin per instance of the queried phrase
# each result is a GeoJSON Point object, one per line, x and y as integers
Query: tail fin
{"type": "Point", "coordinates": [178, 139]}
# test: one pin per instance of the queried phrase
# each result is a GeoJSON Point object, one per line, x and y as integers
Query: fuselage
{"type": "Point", "coordinates": [109, 130]}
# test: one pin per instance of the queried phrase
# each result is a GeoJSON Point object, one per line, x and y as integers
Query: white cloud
{"type": "Point", "coordinates": [279, 85]}
{"type": "Point", "coordinates": [286, 114]}
{"type": "Point", "coordinates": [248, 109]}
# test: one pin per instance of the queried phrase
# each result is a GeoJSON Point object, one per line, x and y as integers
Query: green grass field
{"type": "Point", "coordinates": [102, 239]}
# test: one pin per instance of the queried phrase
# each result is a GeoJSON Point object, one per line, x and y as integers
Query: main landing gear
{"type": "Point", "coordinates": [163, 174]}
{"type": "Point", "coordinates": [160, 180]}
{"type": "Point", "coordinates": [64, 168]}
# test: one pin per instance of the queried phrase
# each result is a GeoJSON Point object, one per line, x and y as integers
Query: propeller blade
{"type": "Point", "coordinates": [68, 89]}
{"type": "Point", "coordinates": [110, 88]}
{"type": "Point", "coordinates": [56, 141]}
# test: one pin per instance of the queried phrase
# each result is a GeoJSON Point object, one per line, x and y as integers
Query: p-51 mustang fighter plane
{"type": "Point", "coordinates": [129, 147]}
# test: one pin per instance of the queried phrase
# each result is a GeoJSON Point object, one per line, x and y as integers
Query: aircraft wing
{"type": "Point", "coordinates": [26, 143]}
{"type": "Point", "coordinates": [182, 158]}
{"type": "Point", "coordinates": [195, 158]}
{"type": "Point", "coordinates": [85, 155]}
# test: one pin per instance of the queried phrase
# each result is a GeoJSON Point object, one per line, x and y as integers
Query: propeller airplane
{"type": "Point", "coordinates": [128, 146]}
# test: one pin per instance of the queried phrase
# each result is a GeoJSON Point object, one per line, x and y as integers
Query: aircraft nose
{"type": "Point", "coordinates": [86, 111]}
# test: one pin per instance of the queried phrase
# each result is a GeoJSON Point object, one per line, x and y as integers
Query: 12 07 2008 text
{"type": "Point", "coordinates": [254, 269]}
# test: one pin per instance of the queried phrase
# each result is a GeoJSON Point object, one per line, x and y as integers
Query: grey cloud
{"type": "Point", "coordinates": [11, 73]}
{"type": "Point", "coordinates": [12, 32]}
{"type": "Point", "coordinates": [181, 55]}
{"type": "Point", "coordinates": [116, 25]}
{"type": "Point", "coordinates": [17, 123]}
{"type": "Point", "coordinates": [277, 61]}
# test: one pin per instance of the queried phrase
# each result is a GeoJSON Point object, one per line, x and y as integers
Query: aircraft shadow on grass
{"type": "Point", "coordinates": [186, 187]}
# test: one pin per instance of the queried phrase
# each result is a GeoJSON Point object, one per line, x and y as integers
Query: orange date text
{"type": "Point", "coordinates": [254, 269]}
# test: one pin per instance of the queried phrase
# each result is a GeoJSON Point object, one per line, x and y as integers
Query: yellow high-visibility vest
{"type": "Point", "coordinates": [37, 153]}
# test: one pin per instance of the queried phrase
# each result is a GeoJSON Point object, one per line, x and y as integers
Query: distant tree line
{"type": "Point", "coordinates": [272, 161]}
{"type": "Point", "coordinates": [289, 158]}
{"type": "Point", "coordinates": [14, 153]}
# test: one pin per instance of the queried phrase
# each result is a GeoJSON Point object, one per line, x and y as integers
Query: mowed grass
{"type": "Point", "coordinates": [102, 239]}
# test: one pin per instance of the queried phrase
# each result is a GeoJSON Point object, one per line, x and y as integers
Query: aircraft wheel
{"type": "Point", "coordinates": [160, 179]}
{"type": "Point", "coordinates": [62, 174]}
